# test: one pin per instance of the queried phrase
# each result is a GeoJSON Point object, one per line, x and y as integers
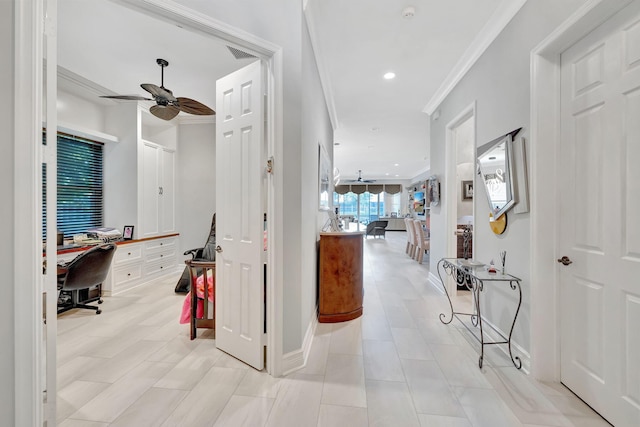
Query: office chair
{"type": "Point", "coordinates": [85, 271]}
{"type": "Point", "coordinates": [205, 253]}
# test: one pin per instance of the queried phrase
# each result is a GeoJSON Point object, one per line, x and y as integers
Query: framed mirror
{"type": "Point", "coordinates": [495, 160]}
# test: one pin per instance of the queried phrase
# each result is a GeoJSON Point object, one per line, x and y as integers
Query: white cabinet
{"type": "Point", "coordinates": [157, 187]}
{"type": "Point", "coordinates": [140, 262]}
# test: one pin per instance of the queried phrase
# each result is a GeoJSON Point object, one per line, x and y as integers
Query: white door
{"type": "Point", "coordinates": [239, 220]}
{"type": "Point", "coordinates": [167, 191]}
{"type": "Point", "coordinates": [599, 229]}
{"type": "Point", "coordinates": [150, 191]}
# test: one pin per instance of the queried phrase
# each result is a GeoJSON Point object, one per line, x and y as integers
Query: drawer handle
{"type": "Point", "coordinates": [161, 256]}
{"type": "Point", "coordinates": [128, 253]}
{"type": "Point", "coordinates": [161, 267]}
{"type": "Point", "coordinates": [161, 244]}
{"type": "Point", "coordinates": [128, 274]}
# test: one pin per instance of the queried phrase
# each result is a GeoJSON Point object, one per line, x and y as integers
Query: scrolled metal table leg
{"type": "Point", "coordinates": [515, 359]}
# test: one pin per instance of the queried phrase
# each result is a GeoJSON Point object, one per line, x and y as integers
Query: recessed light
{"type": "Point", "coordinates": [387, 174]}
{"type": "Point", "coordinates": [397, 175]}
{"type": "Point", "coordinates": [390, 75]}
{"type": "Point", "coordinates": [375, 129]}
{"type": "Point", "coordinates": [396, 164]}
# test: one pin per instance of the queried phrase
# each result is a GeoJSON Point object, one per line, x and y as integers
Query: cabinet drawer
{"type": "Point", "coordinates": [162, 265]}
{"type": "Point", "coordinates": [127, 273]}
{"type": "Point", "coordinates": [160, 255]}
{"type": "Point", "coordinates": [127, 253]}
{"type": "Point", "coordinates": [160, 245]}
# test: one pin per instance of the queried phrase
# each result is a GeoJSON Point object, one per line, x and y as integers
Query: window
{"type": "Point", "coordinates": [80, 194]}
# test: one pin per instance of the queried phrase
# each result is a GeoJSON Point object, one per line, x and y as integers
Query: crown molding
{"type": "Point", "coordinates": [325, 80]}
{"type": "Point", "coordinates": [498, 21]}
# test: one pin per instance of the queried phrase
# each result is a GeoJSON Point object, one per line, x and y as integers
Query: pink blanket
{"type": "Point", "coordinates": [185, 315]}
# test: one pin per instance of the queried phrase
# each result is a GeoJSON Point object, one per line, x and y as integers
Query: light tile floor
{"type": "Point", "coordinates": [397, 365]}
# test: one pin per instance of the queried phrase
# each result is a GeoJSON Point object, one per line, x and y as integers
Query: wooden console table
{"type": "Point", "coordinates": [474, 277]}
{"type": "Point", "coordinates": [340, 285]}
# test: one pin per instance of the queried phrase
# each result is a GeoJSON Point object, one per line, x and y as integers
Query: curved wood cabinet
{"type": "Point", "coordinates": [340, 285]}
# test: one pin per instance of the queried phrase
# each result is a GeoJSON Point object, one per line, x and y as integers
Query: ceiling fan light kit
{"type": "Point", "coordinates": [167, 105]}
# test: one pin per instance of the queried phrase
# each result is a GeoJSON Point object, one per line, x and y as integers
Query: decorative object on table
{"type": "Point", "coordinates": [167, 106]}
{"type": "Point", "coordinates": [495, 163]}
{"type": "Point", "coordinates": [503, 259]}
{"type": "Point", "coordinates": [467, 190]}
{"type": "Point", "coordinates": [127, 233]}
{"type": "Point", "coordinates": [492, 268]}
{"type": "Point", "coordinates": [433, 191]}
{"type": "Point", "coordinates": [324, 168]}
{"type": "Point", "coordinates": [498, 225]}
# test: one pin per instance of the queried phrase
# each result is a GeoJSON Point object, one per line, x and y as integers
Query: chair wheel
{"type": "Point", "coordinates": [100, 301]}
{"type": "Point", "coordinates": [98, 311]}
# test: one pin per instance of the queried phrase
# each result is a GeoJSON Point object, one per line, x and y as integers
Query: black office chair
{"type": "Point", "coordinates": [86, 271]}
{"type": "Point", "coordinates": [205, 253]}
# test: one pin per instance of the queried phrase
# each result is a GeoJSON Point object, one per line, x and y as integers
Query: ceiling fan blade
{"type": "Point", "coordinates": [127, 97]}
{"type": "Point", "coordinates": [159, 92]}
{"type": "Point", "coordinates": [163, 112]}
{"type": "Point", "coordinates": [192, 106]}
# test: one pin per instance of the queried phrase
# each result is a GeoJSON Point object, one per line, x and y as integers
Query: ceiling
{"type": "Point", "coordinates": [381, 126]}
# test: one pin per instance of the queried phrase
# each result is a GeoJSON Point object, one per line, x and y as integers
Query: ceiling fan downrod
{"type": "Point", "coordinates": [162, 63]}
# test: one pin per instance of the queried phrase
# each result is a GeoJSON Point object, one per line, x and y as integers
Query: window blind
{"type": "Point", "coordinates": [79, 186]}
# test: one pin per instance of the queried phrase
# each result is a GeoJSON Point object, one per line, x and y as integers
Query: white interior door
{"type": "Point", "coordinates": [599, 229]}
{"type": "Point", "coordinates": [239, 220]}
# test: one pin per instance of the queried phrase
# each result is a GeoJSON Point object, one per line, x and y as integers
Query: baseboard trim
{"type": "Point", "coordinates": [297, 359]}
{"type": "Point", "coordinates": [435, 282]}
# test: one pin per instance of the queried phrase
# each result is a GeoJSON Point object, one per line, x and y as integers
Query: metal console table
{"type": "Point", "coordinates": [474, 275]}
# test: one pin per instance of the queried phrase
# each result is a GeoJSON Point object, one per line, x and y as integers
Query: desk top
{"type": "Point", "coordinates": [75, 247]}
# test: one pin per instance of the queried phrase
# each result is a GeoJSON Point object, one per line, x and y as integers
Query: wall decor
{"type": "Point", "coordinates": [467, 190]}
{"type": "Point", "coordinates": [433, 191]}
{"type": "Point", "coordinates": [495, 162]}
{"type": "Point", "coordinates": [324, 178]}
{"type": "Point", "coordinates": [521, 179]}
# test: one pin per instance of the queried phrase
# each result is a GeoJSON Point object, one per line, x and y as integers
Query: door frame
{"type": "Point", "coordinates": [545, 135]}
{"type": "Point", "coordinates": [28, 100]}
{"type": "Point", "coordinates": [451, 182]}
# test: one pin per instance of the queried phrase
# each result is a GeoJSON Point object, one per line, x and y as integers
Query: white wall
{"type": "Point", "coordinates": [74, 110]}
{"type": "Point", "coordinates": [7, 192]}
{"type": "Point", "coordinates": [195, 184]}
{"type": "Point", "coordinates": [499, 83]}
{"type": "Point", "coordinates": [316, 130]}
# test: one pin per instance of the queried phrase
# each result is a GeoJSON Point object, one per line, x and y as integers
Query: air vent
{"type": "Point", "coordinates": [238, 54]}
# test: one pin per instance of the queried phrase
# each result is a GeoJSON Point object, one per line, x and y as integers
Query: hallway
{"type": "Point", "coordinates": [397, 365]}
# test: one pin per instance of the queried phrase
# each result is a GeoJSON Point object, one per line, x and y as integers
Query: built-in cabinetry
{"type": "Point", "coordinates": [157, 210]}
{"type": "Point", "coordinates": [136, 262]}
{"type": "Point", "coordinates": [341, 282]}
{"type": "Point", "coordinates": [140, 172]}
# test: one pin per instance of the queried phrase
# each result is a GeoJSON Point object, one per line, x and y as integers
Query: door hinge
{"type": "Point", "coordinates": [270, 165]}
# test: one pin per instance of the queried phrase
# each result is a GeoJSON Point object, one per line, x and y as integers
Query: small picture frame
{"type": "Point", "coordinates": [127, 233]}
{"type": "Point", "coordinates": [467, 190]}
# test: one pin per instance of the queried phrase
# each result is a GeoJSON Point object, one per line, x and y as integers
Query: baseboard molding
{"type": "Point", "coordinates": [435, 282]}
{"type": "Point", "coordinates": [297, 359]}
{"type": "Point", "coordinates": [517, 350]}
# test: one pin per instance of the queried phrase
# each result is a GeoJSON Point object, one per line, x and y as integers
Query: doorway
{"type": "Point", "coordinates": [597, 298]}
{"type": "Point", "coordinates": [271, 56]}
{"type": "Point", "coordinates": [460, 176]}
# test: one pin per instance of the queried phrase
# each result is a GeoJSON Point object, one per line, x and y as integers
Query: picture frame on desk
{"type": "Point", "coordinates": [127, 232]}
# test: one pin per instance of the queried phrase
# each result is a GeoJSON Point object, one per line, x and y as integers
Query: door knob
{"type": "Point", "coordinates": [565, 260]}
{"type": "Point", "coordinates": [218, 249]}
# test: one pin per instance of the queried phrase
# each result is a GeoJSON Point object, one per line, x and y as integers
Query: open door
{"type": "Point", "coordinates": [239, 206]}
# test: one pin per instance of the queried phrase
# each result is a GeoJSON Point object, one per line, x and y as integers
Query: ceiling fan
{"type": "Point", "coordinates": [360, 179]}
{"type": "Point", "coordinates": [167, 106]}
